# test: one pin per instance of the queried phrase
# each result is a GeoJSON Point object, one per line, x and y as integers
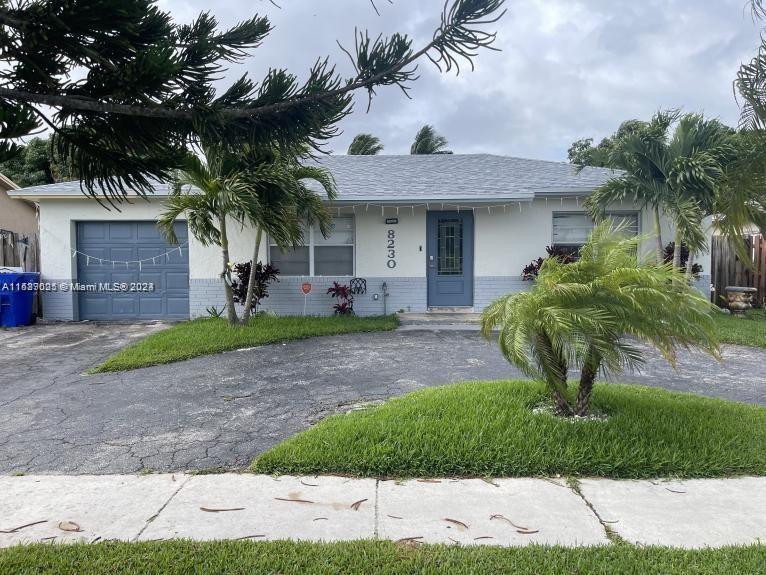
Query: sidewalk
{"type": "Point", "coordinates": [510, 512]}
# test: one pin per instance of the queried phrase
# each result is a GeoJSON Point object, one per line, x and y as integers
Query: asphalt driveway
{"type": "Point", "coordinates": [221, 411]}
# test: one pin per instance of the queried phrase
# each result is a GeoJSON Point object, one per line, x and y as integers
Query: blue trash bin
{"type": "Point", "coordinates": [17, 297]}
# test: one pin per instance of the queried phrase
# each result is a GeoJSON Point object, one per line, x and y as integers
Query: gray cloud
{"type": "Point", "coordinates": [568, 69]}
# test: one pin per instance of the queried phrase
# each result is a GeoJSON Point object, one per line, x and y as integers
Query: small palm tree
{"type": "Point", "coordinates": [365, 145]}
{"type": "Point", "coordinates": [210, 192]}
{"type": "Point", "coordinates": [427, 141]}
{"type": "Point", "coordinates": [588, 314]}
{"type": "Point", "coordinates": [284, 203]}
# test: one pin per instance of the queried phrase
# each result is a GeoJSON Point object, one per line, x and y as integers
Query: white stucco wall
{"type": "Point", "coordinates": [505, 241]}
{"type": "Point", "coordinates": [372, 242]}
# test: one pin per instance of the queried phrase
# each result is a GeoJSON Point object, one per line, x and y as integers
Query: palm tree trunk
{"type": "Point", "coordinates": [226, 274]}
{"type": "Point", "coordinates": [658, 234]}
{"type": "Point", "coordinates": [251, 279]}
{"type": "Point", "coordinates": [677, 252]}
{"type": "Point", "coordinates": [555, 374]}
{"type": "Point", "coordinates": [587, 379]}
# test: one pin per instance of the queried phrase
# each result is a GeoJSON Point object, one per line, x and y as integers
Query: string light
{"type": "Point", "coordinates": [444, 206]}
{"type": "Point", "coordinates": [127, 263]}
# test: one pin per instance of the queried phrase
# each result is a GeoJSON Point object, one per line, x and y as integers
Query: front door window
{"type": "Point", "coordinates": [450, 247]}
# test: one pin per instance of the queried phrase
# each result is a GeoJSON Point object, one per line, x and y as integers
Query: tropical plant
{"type": "Point", "coordinates": [532, 270]}
{"type": "Point", "coordinates": [264, 275]}
{"type": "Point", "coordinates": [680, 175]}
{"type": "Point", "coordinates": [427, 141]}
{"type": "Point", "coordinates": [210, 193]}
{"type": "Point", "coordinates": [591, 315]}
{"type": "Point", "coordinates": [345, 299]}
{"type": "Point", "coordinates": [283, 202]}
{"type": "Point", "coordinates": [751, 81]}
{"type": "Point", "coordinates": [669, 254]}
{"type": "Point", "coordinates": [365, 145]}
{"type": "Point", "coordinates": [127, 91]}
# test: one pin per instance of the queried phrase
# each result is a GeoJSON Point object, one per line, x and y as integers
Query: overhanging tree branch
{"type": "Point", "coordinates": [149, 93]}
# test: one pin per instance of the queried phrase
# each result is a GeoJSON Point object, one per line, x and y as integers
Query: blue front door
{"type": "Point", "coordinates": [449, 258]}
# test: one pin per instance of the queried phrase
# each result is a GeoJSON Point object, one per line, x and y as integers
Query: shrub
{"type": "Point", "coordinates": [264, 275]}
{"type": "Point", "coordinates": [342, 293]}
{"type": "Point", "coordinates": [667, 257]}
{"type": "Point", "coordinates": [565, 255]}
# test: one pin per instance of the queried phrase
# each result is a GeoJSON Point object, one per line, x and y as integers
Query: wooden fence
{"type": "Point", "coordinates": [730, 270]}
{"type": "Point", "coordinates": [19, 250]}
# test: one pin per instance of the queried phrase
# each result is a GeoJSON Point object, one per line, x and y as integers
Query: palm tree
{"type": "Point", "coordinates": [427, 141]}
{"type": "Point", "coordinates": [365, 145]}
{"type": "Point", "coordinates": [679, 175]}
{"type": "Point", "coordinates": [284, 203]}
{"type": "Point", "coordinates": [210, 192]}
{"type": "Point", "coordinates": [577, 315]}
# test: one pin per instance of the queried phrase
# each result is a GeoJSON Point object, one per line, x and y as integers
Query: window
{"type": "Point", "coordinates": [331, 256]}
{"type": "Point", "coordinates": [571, 229]}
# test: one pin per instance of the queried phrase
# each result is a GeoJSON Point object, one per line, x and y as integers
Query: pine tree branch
{"type": "Point", "coordinates": [77, 103]}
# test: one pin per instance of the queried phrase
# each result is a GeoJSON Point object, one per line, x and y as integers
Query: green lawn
{"type": "Point", "coordinates": [214, 335]}
{"type": "Point", "coordinates": [362, 557]}
{"type": "Point", "coordinates": [489, 429]}
{"type": "Point", "coordinates": [747, 330]}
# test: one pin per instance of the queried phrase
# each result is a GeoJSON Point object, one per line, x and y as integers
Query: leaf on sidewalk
{"type": "Point", "coordinates": [428, 481]}
{"type": "Point", "coordinates": [456, 522]}
{"type": "Point", "coordinates": [504, 518]}
{"type": "Point", "coordinates": [320, 519]}
{"type": "Point", "coordinates": [482, 537]}
{"type": "Point", "coordinates": [69, 526]}
{"type": "Point", "coordinates": [20, 527]}
{"type": "Point", "coordinates": [211, 510]}
{"type": "Point", "coordinates": [527, 531]}
{"type": "Point", "coordinates": [355, 506]}
{"type": "Point", "coordinates": [309, 484]}
{"type": "Point", "coordinates": [293, 500]}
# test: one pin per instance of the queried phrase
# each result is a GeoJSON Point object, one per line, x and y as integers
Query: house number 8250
{"type": "Point", "coordinates": [391, 247]}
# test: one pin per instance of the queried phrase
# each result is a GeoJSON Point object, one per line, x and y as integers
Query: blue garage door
{"type": "Point", "coordinates": [156, 289]}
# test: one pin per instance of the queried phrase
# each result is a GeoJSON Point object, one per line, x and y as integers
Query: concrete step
{"type": "Point", "coordinates": [435, 318]}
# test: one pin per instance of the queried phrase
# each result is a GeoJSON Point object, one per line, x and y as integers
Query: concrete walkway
{"type": "Point", "coordinates": [508, 512]}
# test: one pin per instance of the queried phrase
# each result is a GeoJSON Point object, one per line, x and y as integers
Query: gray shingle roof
{"type": "Point", "coordinates": [477, 177]}
{"type": "Point", "coordinates": [453, 177]}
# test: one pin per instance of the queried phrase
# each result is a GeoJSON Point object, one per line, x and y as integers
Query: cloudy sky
{"type": "Point", "coordinates": [568, 69]}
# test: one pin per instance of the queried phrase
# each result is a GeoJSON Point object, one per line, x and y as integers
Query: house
{"type": "Point", "coordinates": [422, 232]}
{"type": "Point", "coordinates": [15, 216]}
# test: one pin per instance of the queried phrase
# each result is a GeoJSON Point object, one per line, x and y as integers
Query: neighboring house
{"type": "Point", "coordinates": [16, 216]}
{"type": "Point", "coordinates": [434, 231]}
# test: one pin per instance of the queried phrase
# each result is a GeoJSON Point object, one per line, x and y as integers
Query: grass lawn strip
{"type": "Point", "coordinates": [380, 557]}
{"type": "Point", "coordinates": [208, 336]}
{"type": "Point", "coordinates": [747, 330]}
{"type": "Point", "coordinates": [490, 429]}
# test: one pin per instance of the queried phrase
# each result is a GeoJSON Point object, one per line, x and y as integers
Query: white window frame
{"type": "Point", "coordinates": [312, 245]}
{"type": "Point", "coordinates": [613, 213]}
